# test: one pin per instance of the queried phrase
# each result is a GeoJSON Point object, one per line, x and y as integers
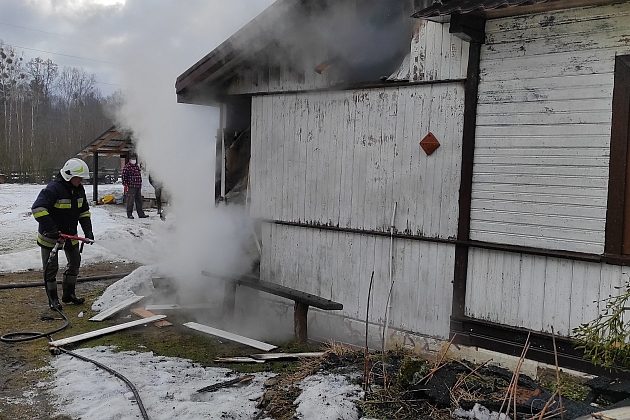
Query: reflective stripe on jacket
{"type": "Point", "coordinates": [59, 208]}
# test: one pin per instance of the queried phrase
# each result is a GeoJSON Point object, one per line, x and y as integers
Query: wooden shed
{"type": "Point", "coordinates": [514, 224]}
{"type": "Point", "coordinates": [111, 143]}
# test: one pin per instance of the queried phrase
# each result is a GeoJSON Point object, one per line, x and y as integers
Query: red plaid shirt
{"type": "Point", "coordinates": [131, 176]}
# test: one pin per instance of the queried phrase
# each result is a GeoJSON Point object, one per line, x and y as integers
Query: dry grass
{"type": "Point", "coordinates": [278, 399]}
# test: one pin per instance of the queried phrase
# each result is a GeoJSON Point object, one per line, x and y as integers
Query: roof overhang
{"type": "Point", "coordinates": [218, 64]}
{"type": "Point", "coordinates": [491, 9]}
{"type": "Point", "coordinates": [300, 36]}
{"type": "Point", "coordinates": [112, 142]}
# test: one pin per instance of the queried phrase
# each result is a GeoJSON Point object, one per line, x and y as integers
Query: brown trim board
{"type": "Point", "coordinates": [617, 185]}
{"type": "Point", "coordinates": [471, 90]}
{"type": "Point", "coordinates": [518, 249]}
{"type": "Point", "coordinates": [346, 87]}
{"type": "Point", "coordinates": [511, 340]}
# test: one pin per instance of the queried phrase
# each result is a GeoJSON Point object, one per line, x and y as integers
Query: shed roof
{"type": "Point", "coordinates": [291, 33]}
{"type": "Point", "coordinates": [500, 8]}
{"type": "Point", "coordinates": [112, 142]}
{"type": "Point", "coordinates": [251, 38]}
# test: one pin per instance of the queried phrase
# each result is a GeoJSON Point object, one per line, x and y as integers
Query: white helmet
{"type": "Point", "coordinates": [74, 167]}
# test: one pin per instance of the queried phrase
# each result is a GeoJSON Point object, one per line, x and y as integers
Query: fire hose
{"type": "Point", "coordinates": [22, 336]}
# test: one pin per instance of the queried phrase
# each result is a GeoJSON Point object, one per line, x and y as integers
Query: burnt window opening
{"type": "Point", "coordinates": [618, 215]}
{"type": "Point", "coordinates": [235, 137]}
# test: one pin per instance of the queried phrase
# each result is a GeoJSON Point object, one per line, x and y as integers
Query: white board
{"type": "Point", "coordinates": [238, 359]}
{"type": "Point", "coordinates": [230, 336]}
{"type": "Point", "coordinates": [280, 356]}
{"type": "Point", "coordinates": [175, 307]}
{"type": "Point", "coordinates": [104, 331]}
{"type": "Point", "coordinates": [116, 308]}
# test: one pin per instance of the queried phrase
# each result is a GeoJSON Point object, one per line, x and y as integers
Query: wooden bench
{"type": "Point", "coordinates": [302, 300]}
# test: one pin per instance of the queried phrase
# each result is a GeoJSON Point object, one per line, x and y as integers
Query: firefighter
{"type": "Point", "coordinates": [58, 208]}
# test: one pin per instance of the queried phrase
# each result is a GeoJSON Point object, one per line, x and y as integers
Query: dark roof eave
{"type": "Point", "coordinates": [500, 8]}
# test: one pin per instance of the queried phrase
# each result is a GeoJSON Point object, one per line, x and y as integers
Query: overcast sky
{"type": "Point", "coordinates": [111, 38]}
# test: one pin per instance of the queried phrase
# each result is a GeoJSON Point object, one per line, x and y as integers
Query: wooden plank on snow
{"type": "Point", "coordinates": [103, 331]}
{"type": "Point", "coordinates": [237, 359]}
{"type": "Point", "coordinates": [143, 313]}
{"type": "Point", "coordinates": [116, 308]}
{"type": "Point", "coordinates": [176, 307]}
{"type": "Point", "coordinates": [287, 356]}
{"type": "Point", "coordinates": [230, 336]}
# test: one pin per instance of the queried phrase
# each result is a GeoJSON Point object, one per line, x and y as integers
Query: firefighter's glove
{"type": "Point", "coordinates": [90, 236]}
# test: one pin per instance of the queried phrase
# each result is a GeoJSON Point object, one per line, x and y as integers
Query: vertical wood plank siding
{"type": "Point", "coordinates": [344, 158]}
{"type": "Point", "coordinates": [435, 54]}
{"type": "Point", "coordinates": [538, 292]}
{"type": "Point", "coordinates": [543, 127]}
{"type": "Point", "coordinates": [337, 265]}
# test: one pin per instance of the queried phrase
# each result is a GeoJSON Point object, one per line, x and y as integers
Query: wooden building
{"type": "Point", "coordinates": [113, 142]}
{"type": "Point", "coordinates": [514, 224]}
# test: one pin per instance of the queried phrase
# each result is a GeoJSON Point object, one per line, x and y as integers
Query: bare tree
{"type": "Point", "coordinates": [43, 74]}
{"type": "Point", "coordinates": [47, 113]}
{"type": "Point", "coordinates": [12, 79]}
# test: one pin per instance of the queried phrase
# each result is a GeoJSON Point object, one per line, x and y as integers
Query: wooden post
{"type": "Point", "coordinates": [95, 179]}
{"type": "Point", "coordinates": [300, 322]}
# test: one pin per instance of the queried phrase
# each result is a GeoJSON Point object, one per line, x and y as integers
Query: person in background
{"type": "Point", "coordinates": [157, 186]}
{"type": "Point", "coordinates": [58, 209]}
{"type": "Point", "coordinates": [132, 180]}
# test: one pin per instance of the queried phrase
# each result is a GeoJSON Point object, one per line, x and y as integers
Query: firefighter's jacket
{"type": "Point", "coordinates": [58, 208]}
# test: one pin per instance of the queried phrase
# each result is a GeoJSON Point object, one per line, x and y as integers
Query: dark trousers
{"type": "Point", "coordinates": [72, 269]}
{"type": "Point", "coordinates": [158, 199]}
{"type": "Point", "coordinates": [134, 197]}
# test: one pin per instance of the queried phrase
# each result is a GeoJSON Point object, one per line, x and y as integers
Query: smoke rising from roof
{"type": "Point", "coordinates": [357, 40]}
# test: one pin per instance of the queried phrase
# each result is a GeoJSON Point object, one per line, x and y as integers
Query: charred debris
{"type": "Point", "coordinates": [412, 387]}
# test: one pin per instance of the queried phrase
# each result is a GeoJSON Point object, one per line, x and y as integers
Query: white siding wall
{"type": "Point", "coordinates": [538, 292]}
{"type": "Point", "coordinates": [344, 158]}
{"type": "Point", "coordinates": [543, 127]}
{"type": "Point", "coordinates": [436, 54]}
{"type": "Point", "coordinates": [338, 265]}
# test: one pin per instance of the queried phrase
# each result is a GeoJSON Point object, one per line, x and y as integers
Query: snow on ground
{"type": "Point", "coordinates": [166, 386]}
{"type": "Point", "coordinates": [117, 238]}
{"type": "Point", "coordinates": [137, 283]}
{"type": "Point", "coordinates": [328, 397]}
{"type": "Point", "coordinates": [16, 223]}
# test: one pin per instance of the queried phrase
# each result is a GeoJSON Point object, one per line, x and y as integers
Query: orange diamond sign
{"type": "Point", "coordinates": [429, 144]}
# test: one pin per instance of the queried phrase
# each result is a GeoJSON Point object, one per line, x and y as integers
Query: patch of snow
{"type": "Point", "coordinates": [166, 385]}
{"type": "Point", "coordinates": [27, 399]}
{"type": "Point", "coordinates": [117, 238]}
{"type": "Point", "coordinates": [479, 412]}
{"type": "Point", "coordinates": [328, 397]}
{"type": "Point", "coordinates": [137, 283]}
{"type": "Point", "coordinates": [17, 225]}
